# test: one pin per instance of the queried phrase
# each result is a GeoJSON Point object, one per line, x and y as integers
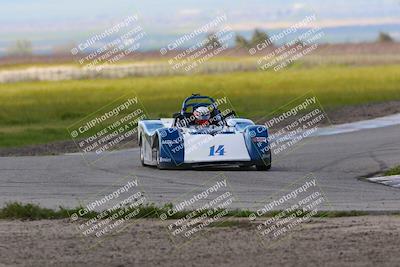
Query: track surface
{"type": "Point", "coordinates": [336, 160]}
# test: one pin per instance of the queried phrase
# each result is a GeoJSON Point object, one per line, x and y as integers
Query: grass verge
{"type": "Point", "coordinates": [16, 210]}
{"type": "Point", "coordinates": [393, 171]}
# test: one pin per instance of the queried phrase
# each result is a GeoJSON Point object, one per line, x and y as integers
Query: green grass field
{"type": "Point", "coordinates": [40, 112]}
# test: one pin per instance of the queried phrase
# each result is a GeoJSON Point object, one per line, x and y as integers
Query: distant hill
{"type": "Point", "coordinates": [44, 42]}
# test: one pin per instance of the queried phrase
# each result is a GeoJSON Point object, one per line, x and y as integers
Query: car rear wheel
{"type": "Point", "coordinates": [265, 167]}
{"type": "Point", "coordinates": [142, 154]}
{"type": "Point", "coordinates": [158, 157]}
{"type": "Point", "coordinates": [157, 150]}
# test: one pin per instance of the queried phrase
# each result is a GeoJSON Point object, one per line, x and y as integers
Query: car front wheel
{"type": "Point", "coordinates": [263, 167]}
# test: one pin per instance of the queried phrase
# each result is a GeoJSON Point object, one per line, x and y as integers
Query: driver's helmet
{"type": "Point", "coordinates": [202, 115]}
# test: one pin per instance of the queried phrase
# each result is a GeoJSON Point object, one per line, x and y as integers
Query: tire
{"type": "Point", "coordinates": [142, 155]}
{"type": "Point", "coordinates": [263, 167]}
{"type": "Point", "coordinates": [141, 149]}
{"type": "Point", "coordinates": [158, 157]}
{"type": "Point", "coordinates": [157, 148]}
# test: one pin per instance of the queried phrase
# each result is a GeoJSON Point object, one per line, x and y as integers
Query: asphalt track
{"type": "Point", "coordinates": [337, 160]}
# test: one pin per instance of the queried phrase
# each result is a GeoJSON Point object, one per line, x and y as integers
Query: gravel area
{"type": "Point", "coordinates": [349, 241]}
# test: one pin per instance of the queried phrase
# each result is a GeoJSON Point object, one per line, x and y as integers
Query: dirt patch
{"type": "Point", "coordinates": [336, 116]}
{"type": "Point", "coordinates": [54, 148]}
{"type": "Point", "coordinates": [350, 241]}
{"type": "Point", "coordinates": [363, 112]}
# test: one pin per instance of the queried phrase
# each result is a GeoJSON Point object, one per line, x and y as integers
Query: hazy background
{"type": "Point", "coordinates": [49, 25]}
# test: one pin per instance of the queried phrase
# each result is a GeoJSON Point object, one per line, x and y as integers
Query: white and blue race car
{"type": "Point", "coordinates": [201, 135]}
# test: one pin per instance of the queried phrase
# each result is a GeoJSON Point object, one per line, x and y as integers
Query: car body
{"type": "Point", "coordinates": [177, 142]}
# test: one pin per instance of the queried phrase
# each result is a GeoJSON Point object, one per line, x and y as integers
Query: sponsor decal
{"type": "Point", "coordinates": [259, 139]}
{"type": "Point", "coordinates": [170, 142]}
{"type": "Point", "coordinates": [165, 159]}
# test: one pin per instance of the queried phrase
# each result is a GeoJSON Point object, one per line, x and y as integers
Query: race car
{"type": "Point", "coordinates": [203, 135]}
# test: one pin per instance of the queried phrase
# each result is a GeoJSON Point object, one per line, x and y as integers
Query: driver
{"type": "Point", "coordinates": [202, 116]}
